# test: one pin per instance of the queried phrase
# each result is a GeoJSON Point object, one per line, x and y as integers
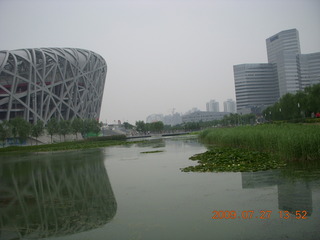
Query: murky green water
{"type": "Point", "coordinates": [120, 193]}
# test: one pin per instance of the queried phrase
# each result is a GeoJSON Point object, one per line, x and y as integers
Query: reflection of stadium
{"type": "Point", "coordinates": [54, 195]}
{"type": "Point", "coordinates": [38, 84]}
{"type": "Point", "coordinates": [292, 195]}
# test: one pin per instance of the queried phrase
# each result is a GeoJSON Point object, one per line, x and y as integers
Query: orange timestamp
{"type": "Point", "coordinates": [263, 214]}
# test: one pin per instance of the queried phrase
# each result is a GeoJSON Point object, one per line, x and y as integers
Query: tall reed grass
{"type": "Point", "coordinates": [289, 141]}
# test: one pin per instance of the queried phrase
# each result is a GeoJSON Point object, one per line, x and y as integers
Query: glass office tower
{"type": "Point", "coordinates": [309, 69]}
{"type": "Point", "coordinates": [256, 85]}
{"type": "Point", "coordinates": [282, 50]}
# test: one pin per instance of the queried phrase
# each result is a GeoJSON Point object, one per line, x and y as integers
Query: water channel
{"type": "Point", "coordinates": [122, 193]}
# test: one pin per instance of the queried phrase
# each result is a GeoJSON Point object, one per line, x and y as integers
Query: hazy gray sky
{"type": "Point", "coordinates": [161, 54]}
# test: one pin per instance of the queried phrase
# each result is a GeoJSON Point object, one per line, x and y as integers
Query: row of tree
{"type": "Point", "coordinates": [157, 127]}
{"type": "Point", "coordinates": [21, 129]}
{"type": "Point", "coordinates": [154, 127]}
{"type": "Point", "coordinates": [303, 104]}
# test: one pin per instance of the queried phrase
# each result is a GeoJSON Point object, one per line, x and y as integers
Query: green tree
{"type": "Point", "coordinates": [95, 126]}
{"type": "Point", "coordinates": [289, 106]}
{"type": "Point", "coordinates": [156, 126]}
{"type": "Point", "coordinates": [192, 126]}
{"type": "Point", "coordinates": [85, 127]}
{"type": "Point", "coordinates": [64, 128]}
{"type": "Point", "coordinates": [76, 126]}
{"type": "Point", "coordinates": [5, 131]}
{"type": "Point", "coordinates": [295, 106]}
{"type": "Point", "coordinates": [127, 125]}
{"type": "Point", "coordinates": [267, 113]}
{"type": "Point", "coordinates": [248, 118]}
{"type": "Point", "coordinates": [147, 127]}
{"type": "Point", "coordinates": [20, 128]}
{"type": "Point", "coordinates": [313, 99]}
{"type": "Point", "coordinates": [52, 127]}
{"type": "Point", "coordinates": [37, 130]}
{"type": "Point", "coordinates": [233, 119]}
{"type": "Point", "coordinates": [141, 126]}
{"type": "Point", "coordinates": [14, 127]}
{"type": "Point", "coordinates": [90, 126]}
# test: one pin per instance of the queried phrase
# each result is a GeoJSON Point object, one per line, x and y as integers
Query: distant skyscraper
{"type": "Point", "coordinates": [229, 106]}
{"type": "Point", "coordinates": [212, 106]}
{"type": "Point", "coordinates": [282, 50]}
{"type": "Point", "coordinates": [207, 107]}
{"type": "Point", "coordinates": [256, 85]}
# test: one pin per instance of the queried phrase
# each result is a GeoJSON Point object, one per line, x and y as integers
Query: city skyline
{"type": "Point", "coordinates": [160, 54]}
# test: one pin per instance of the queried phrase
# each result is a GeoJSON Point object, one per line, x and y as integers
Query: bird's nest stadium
{"type": "Point", "coordinates": [41, 83]}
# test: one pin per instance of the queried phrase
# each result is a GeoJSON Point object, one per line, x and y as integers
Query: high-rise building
{"type": "Point", "coordinates": [287, 71]}
{"type": "Point", "coordinates": [229, 106]}
{"type": "Point", "coordinates": [212, 106]}
{"type": "Point", "coordinates": [256, 86]}
{"type": "Point", "coordinates": [309, 69]}
{"type": "Point", "coordinates": [282, 50]}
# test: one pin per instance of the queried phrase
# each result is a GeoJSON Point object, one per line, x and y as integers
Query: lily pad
{"type": "Point", "coordinates": [152, 151]}
{"type": "Point", "coordinates": [225, 159]}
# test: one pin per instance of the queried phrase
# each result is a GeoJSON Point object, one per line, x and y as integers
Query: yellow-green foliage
{"type": "Point", "coordinates": [289, 141]}
{"type": "Point", "coordinates": [312, 120]}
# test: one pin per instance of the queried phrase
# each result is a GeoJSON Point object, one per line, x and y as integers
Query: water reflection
{"type": "Point", "coordinates": [295, 196]}
{"type": "Point", "coordinates": [154, 143]}
{"type": "Point", "coordinates": [295, 185]}
{"type": "Point", "coordinates": [54, 194]}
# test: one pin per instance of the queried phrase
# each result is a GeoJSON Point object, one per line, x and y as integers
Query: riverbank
{"type": "Point", "coordinates": [290, 142]}
{"type": "Point", "coordinates": [64, 146]}
{"type": "Point", "coordinates": [93, 142]}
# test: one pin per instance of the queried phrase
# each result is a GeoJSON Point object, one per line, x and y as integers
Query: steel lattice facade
{"type": "Point", "coordinates": [41, 83]}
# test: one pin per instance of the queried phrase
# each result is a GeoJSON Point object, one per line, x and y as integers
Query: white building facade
{"type": "Point", "coordinates": [203, 116]}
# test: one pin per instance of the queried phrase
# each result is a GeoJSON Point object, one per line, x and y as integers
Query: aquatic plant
{"type": "Point", "coordinates": [226, 159]}
{"type": "Point", "coordinates": [289, 141]}
{"type": "Point", "coordinates": [158, 151]}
